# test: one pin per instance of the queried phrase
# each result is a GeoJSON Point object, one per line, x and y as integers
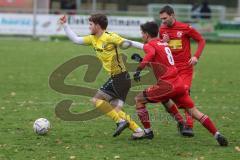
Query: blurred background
{"type": "Point", "coordinates": [215, 19]}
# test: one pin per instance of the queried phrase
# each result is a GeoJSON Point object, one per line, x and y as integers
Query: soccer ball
{"type": "Point", "coordinates": [41, 126]}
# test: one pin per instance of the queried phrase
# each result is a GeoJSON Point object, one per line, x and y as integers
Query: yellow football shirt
{"type": "Point", "coordinates": [106, 47]}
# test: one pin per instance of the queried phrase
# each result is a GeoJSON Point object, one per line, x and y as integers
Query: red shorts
{"type": "Point", "coordinates": [187, 75]}
{"type": "Point", "coordinates": [163, 91]}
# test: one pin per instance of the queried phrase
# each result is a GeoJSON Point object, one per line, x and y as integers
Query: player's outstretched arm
{"type": "Point", "coordinates": [134, 44]}
{"type": "Point", "coordinates": [124, 43]}
{"type": "Point", "coordinates": [71, 35]}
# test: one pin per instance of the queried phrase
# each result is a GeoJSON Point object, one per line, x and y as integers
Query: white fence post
{"type": "Point", "coordinates": [34, 19]}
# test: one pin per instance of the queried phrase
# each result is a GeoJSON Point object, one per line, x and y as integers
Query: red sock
{"type": "Point", "coordinates": [144, 116]}
{"type": "Point", "coordinates": [189, 119]}
{"type": "Point", "coordinates": [174, 112]}
{"type": "Point", "coordinates": [208, 124]}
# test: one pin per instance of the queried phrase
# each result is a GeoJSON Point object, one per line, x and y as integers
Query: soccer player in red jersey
{"type": "Point", "coordinates": [178, 36]}
{"type": "Point", "coordinates": [169, 86]}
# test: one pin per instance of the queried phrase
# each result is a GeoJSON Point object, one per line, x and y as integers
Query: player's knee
{"type": "Point", "coordinates": [117, 104]}
{"type": "Point", "coordinates": [118, 108]}
{"type": "Point", "coordinates": [139, 105]}
{"type": "Point", "coordinates": [94, 101]}
{"type": "Point", "coordinates": [137, 99]}
{"type": "Point", "coordinates": [196, 114]}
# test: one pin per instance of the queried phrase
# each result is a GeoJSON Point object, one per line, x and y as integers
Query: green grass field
{"type": "Point", "coordinates": [25, 67]}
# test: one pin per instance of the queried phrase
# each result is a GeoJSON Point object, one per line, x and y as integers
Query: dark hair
{"type": "Point", "coordinates": [99, 19]}
{"type": "Point", "coordinates": [166, 9]}
{"type": "Point", "coordinates": [151, 28]}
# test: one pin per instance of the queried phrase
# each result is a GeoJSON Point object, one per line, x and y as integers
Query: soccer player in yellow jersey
{"type": "Point", "coordinates": [111, 96]}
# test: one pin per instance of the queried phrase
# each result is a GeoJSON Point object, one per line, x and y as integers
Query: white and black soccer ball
{"type": "Point", "coordinates": [41, 126]}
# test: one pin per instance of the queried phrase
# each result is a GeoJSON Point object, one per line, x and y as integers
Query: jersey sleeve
{"type": "Point", "coordinates": [195, 35]}
{"type": "Point", "coordinates": [87, 40]}
{"type": "Point", "coordinates": [149, 55]}
{"type": "Point", "coordinates": [72, 35]}
{"type": "Point", "coordinates": [116, 39]}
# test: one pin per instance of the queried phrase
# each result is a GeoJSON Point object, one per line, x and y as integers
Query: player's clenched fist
{"type": "Point", "coordinates": [193, 60]}
{"type": "Point", "coordinates": [62, 20]}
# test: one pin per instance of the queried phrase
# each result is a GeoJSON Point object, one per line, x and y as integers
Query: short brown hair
{"type": "Point", "coordinates": [167, 9]}
{"type": "Point", "coordinates": [100, 19]}
{"type": "Point", "coordinates": [151, 28]}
